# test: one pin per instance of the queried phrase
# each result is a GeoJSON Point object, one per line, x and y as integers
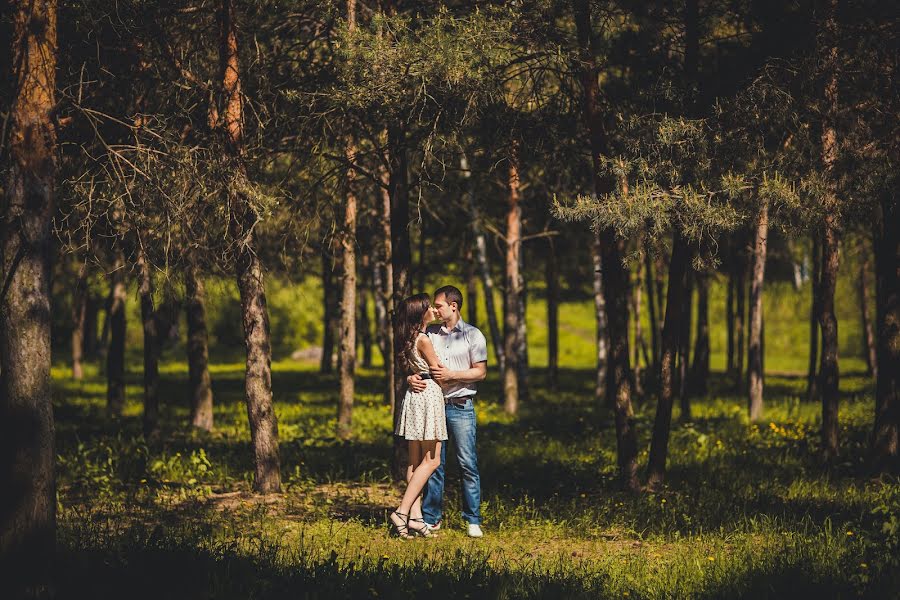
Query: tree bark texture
{"type": "Point", "coordinates": [601, 339]}
{"type": "Point", "coordinates": [249, 273]}
{"type": "Point", "coordinates": [614, 272]}
{"type": "Point", "coordinates": [829, 379]}
{"type": "Point", "coordinates": [27, 457]}
{"type": "Point", "coordinates": [662, 424]}
{"type": "Point", "coordinates": [886, 434]}
{"type": "Point", "coordinates": [115, 357]}
{"type": "Point", "coordinates": [755, 350]}
{"type": "Point", "coordinates": [200, 388]}
{"type": "Point", "coordinates": [363, 324]}
{"type": "Point", "coordinates": [348, 306]}
{"type": "Point", "coordinates": [151, 345]}
{"type": "Point", "coordinates": [386, 290]}
{"type": "Point", "coordinates": [513, 289]}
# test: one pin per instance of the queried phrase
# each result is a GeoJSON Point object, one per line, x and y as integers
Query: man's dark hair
{"type": "Point", "coordinates": [451, 293]}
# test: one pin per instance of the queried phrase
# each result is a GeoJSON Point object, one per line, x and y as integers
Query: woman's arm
{"type": "Point", "coordinates": [426, 349]}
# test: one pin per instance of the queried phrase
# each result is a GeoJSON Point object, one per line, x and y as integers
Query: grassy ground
{"type": "Point", "coordinates": [748, 509]}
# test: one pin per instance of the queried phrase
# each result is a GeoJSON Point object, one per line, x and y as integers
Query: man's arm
{"type": "Point", "coordinates": [473, 374]}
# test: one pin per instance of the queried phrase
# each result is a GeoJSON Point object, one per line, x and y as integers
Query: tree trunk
{"type": "Point", "coordinates": [886, 434]}
{"type": "Point", "coordinates": [348, 309]}
{"type": "Point", "coordinates": [612, 251]}
{"type": "Point", "coordinates": [870, 353]}
{"type": "Point", "coordinates": [684, 346]}
{"type": "Point", "coordinates": [387, 292]}
{"type": "Point", "coordinates": [659, 445]}
{"type": "Point", "coordinates": [249, 274]}
{"type": "Point", "coordinates": [755, 352]}
{"type": "Point", "coordinates": [638, 328]}
{"type": "Point", "coordinates": [151, 345]}
{"type": "Point", "coordinates": [363, 324]}
{"type": "Point", "coordinates": [28, 506]}
{"type": "Point", "coordinates": [652, 306]}
{"type": "Point", "coordinates": [830, 242]}
{"type": "Point", "coordinates": [200, 391]}
{"type": "Point", "coordinates": [91, 316]}
{"type": "Point", "coordinates": [700, 366]}
{"type": "Point", "coordinates": [79, 319]}
{"type": "Point", "coordinates": [115, 357]}
{"type": "Point", "coordinates": [812, 372]}
{"type": "Point", "coordinates": [513, 292]}
{"type": "Point", "coordinates": [601, 331]}
{"type": "Point", "coordinates": [552, 280]}
{"type": "Point", "coordinates": [401, 258]}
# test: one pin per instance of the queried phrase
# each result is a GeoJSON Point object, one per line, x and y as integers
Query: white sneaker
{"type": "Point", "coordinates": [475, 530]}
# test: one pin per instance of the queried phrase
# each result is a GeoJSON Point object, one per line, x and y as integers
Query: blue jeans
{"type": "Point", "coordinates": [461, 429]}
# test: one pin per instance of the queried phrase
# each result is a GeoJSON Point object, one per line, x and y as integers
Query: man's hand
{"type": "Point", "coordinates": [416, 383]}
{"type": "Point", "coordinates": [442, 375]}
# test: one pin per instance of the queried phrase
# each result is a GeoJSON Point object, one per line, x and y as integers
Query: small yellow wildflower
{"type": "Point", "coordinates": [849, 532]}
{"type": "Point", "coordinates": [663, 500]}
{"type": "Point", "coordinates": [710, 558]}
{"type": "Point", "coordinates": [863, 566]}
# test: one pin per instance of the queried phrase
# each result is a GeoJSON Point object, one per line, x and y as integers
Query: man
{"type": "Point", "coordinates": [462, 351]}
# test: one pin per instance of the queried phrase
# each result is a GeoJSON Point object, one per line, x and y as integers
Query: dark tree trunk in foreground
{"type": "Point", "coordinates": [201, 396]}
{"type": "Point", "coordinates": [601, 332]}
{"type": "Point", "coordinates": [684, 346]}
{"type": "Point", "coordinates": [830, 242]}
{"type": "Point", "coordinates": [115, 357]}
{"type": "Point", "coordinates": [886, 434]}
{"type": "Point", "coordinates": [812, 372]}
{"type": "Point", "coordinates": [870, 350]}
{"type": "Point", "coordinates": [700, 366]}
{"type": "Point", "coordinates": [79, 319]}
{"type": "Point", "coordinates": [755, 351]}
{"type": "Point", "coordinates": [615, 273]}
{"type": "Point", "coordinates": [151, 345]}
{"type": "Point", "coordinates": [249, 272]}
{"type": "Point", "coordinates": [401, 259]}
{"type": "Point", "coordinates": [513, 292]}
{"type": "Point", "coordinates": [552, 280]}
{"type": "Point", "coordinates": [386, 290]}
{"type": "Point", "coordinates": [662, 424]}
{"type": "Point", "coordinates": [484, 268]}
{"type": "Point", "coordinates": [27, 458]}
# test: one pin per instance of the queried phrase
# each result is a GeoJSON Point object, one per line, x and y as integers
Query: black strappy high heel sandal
{"type": "Point", "coordinates": [402, 530]}
{"type": "Point", "coordinates": [424, 531]}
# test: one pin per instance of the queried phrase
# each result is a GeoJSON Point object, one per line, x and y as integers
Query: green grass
{"type": "Point", "coordinates": [748, 510]}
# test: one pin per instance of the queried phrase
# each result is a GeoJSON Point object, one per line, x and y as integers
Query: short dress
{"type": "Point", "coordinates": [422, 414]}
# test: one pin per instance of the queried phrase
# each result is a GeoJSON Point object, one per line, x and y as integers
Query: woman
{"type": "Point", "coordinates": [422, 422]}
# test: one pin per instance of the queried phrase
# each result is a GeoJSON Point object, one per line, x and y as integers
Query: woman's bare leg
{"type": "Point", "coordinates": [415, 459]}
{"type": "Point", "coordinates": [430, 461]}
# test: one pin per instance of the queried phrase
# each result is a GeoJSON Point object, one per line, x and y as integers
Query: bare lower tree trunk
{"type": "Point", "coordinates": [513, 291]}
{"type": "Point", "coordinates": [601, 341]}
{"type": "Point", "coordinates": [348, 306]}
{"type": "Point", "coordinates": [79, 319]}
{"type": "Point", "coordinates": [700, 366]}
{"type": "Point", "coordinates": [151, 345]}
{"type": "Point", "coordinates": [200, 392]}
{"type": "Point", "coordinates": [27, 456]}
{"type": "Point", "coordinates": [91, 317]}
{"type": "Point", "coordinates": [870, 353]}
{"type": "Point", "coordinates": [830, 241]}
{"type": "Point", "coordinates": [249, 274]}
{"type": "Point", "coordinates": [387, 291]}
{"type": "Point", "coordinates": [638, 328]}
{"type": "Point", "coordinates": [812, 377]}
{"type": "Point", "coordinates": [612, 252]}
{"type": "Point", "coordinates": [684, 347]}
{"type": "Point", "coordinates": [659, 445]}
{"type": "Point", "coordinates": [115, 358]}
{"type": "Point", "coordinates": [552, 277]}
{"type": "Point", "coordinates": [652, 306]}
{"type": "Point", "coordinates": [886, 433]}
{"type": "Point", "coordinates": [755, 352]}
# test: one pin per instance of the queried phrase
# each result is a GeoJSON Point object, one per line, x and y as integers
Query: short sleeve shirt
{"type": "Point", "coordinates": [458, 349]}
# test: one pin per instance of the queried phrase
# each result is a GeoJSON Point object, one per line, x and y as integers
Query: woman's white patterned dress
{"type": "Point", "coordinates": [422, 414]}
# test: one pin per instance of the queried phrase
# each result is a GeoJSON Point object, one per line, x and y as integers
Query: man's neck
{"type": "Point", "coordinates": [451, 322]}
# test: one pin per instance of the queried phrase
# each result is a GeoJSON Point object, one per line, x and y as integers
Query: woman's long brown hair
{"type": "Point", "coordinates": [410, 312]}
